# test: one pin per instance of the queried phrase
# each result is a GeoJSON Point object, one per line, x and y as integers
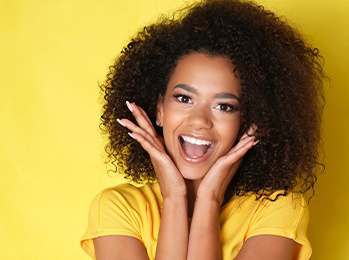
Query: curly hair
{"type": "Point", "coordinates": [282, 91]}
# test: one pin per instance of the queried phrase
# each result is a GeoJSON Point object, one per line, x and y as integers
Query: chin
{"type": "Point", "coordinates": [193, 174]}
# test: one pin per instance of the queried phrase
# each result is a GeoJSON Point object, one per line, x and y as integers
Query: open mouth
{"type": "Point", "coordinates": [195, 149]}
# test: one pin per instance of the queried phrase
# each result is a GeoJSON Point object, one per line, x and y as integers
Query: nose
{"type": "Point", "coordinates": [200, 118]}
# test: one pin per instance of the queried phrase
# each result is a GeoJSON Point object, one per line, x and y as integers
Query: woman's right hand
{"type": "Point", "coordinates": [171, 182]}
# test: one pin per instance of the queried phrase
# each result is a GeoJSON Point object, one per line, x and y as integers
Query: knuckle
{"type": "Point", "coordinates": [149, 130]}
{"type": "Point", "coordinates": [146, 135]}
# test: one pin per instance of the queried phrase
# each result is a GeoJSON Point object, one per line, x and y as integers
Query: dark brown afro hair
{"type": "Point", "coordinates": [282, 91]}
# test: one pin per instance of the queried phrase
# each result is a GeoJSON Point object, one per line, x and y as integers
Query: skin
{"type": "Point", "coordinates": [194, 105]}
{"type": "Point", "coordinates": [202, 110]}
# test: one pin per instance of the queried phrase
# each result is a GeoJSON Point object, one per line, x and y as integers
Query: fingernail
{"type": "Point", "coordinates": [120, 122]}
{"type": "Point", "coordinates": [129, 106]}
{"type": "Point", "coordinates": [131, 135]}
{"type": "Point", "coordinates": [256, 142]}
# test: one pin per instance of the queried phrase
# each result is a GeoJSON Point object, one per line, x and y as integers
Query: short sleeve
{"type": "Point", "coordinates": [110, 213]}
{"type": "Point", "coordinates": [288, 217]}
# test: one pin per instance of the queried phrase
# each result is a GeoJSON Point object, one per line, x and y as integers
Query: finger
{"type": "Point", "coordinates": [158, 157]}
{"type": "Point", "coordinates": [142, 120]}
{"type": "Point", "coordinates": [158, 139]}
{"type": "Point", "coordinates": [232, 159]}
{"type": "Point", "coordinates": [233, 156]}
{"type": "Point", "coordinates": [241, 151]}
{"type": "Point", "coordinates": [252, 130]}
{"type": "Point", "coordinates": [245, 139]}
{"type": "Point", "coordinates": [145, 115]}
{"type": "Point", "coordinates": [152, 150]}
{"type": "Point", "coordinates": [247, 136]}
{"type": "Point", "coordinates": [136, 129]}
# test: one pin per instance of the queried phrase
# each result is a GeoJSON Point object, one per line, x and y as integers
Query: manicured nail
{"type": "Point", "coordinates": [129, 106]}
{"type": "Point", "coordinates": [256, 142]}
{"type": "Point", "coordinates": [120, 122]}
{"type": "Point", "coordinates": [131, 135]}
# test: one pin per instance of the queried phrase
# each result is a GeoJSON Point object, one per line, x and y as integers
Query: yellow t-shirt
{"type": "Point", "coordinates": [131, 211]}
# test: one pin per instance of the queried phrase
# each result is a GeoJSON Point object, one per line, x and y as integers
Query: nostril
{"type": "Point", "coordinates": [200, 121]}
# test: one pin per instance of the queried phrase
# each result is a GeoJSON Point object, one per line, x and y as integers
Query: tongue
{"type": "Point", "coordinates": [194, 150]}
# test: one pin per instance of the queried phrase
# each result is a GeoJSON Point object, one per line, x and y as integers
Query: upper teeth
{"type": "Point", "coordinates": [196, 141]}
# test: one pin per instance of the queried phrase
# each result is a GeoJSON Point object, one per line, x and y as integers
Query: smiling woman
{"type": "Point", "coordinates": [217, 112]}
{"type": "Point", "coordinates": [200, 105]}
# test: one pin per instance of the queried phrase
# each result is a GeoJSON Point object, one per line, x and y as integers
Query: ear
{"type": "Point", "coordinates": [160, 110]}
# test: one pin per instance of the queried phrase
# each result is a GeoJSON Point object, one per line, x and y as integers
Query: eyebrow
{"type": "Point", "coordinates": [193, 90]}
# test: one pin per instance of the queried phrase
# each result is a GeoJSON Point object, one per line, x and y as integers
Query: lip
{"type": "Point", "coordinates": [195, 160]}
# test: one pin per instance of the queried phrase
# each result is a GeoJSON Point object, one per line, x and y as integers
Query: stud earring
{"type": "Point", "coordinates": [157, 122]}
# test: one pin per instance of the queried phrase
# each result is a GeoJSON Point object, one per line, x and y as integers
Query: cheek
{"type": "Point", "coordinates": [172, 116]}
{"type": "Point", "coordinates": [229, 131]}
{"type": "Point", "coordinates": [171, 121]}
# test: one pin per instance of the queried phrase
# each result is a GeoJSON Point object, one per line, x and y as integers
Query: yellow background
{"type": "Point", "coordinates": [53, 54]}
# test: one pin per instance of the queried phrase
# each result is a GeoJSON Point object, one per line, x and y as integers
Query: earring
{"type": "Point", "coordinates": [157, 122]}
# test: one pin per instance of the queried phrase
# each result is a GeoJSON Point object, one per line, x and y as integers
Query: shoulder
{"type": "Point", "coordinates": [129, 189]}
{"type": "Point", "coordinates": [278, 203]}
{"type": "Point", "coordinates": [119, 215]}
{"type": "Point", "coordinates": [127, 195]}
{"type": "Point", "coordinates": [278, 211]}
{"type": "Point", "coordinates": [289, 209]}
{"type": "Point", "coordinates": [122, 210]}
{"type": "Point", "coordinates": [123, 203]}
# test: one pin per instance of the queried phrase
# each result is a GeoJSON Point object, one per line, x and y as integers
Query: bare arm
{"type": "Point", "coordinates": [173, 233]}
{"type": "Point", "coordinates": [119, 248]}
{"type": "Point", "coordinates": [204, 242]}
{"type": "Point", "coordinates": [204, 239]}
{"type": "Point", "coordinates": [269, 247]}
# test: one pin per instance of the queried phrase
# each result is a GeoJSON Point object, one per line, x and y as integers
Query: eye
{"type": "Point", "coordinates": [226, 107]}
{"type": "Point", "coordinates": [183, 98]}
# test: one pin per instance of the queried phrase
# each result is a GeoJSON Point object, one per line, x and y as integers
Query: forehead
{"type": "Point", "coordinates": [206, 73]}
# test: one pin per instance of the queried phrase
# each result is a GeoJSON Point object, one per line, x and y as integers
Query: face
{"type": "Point", "coordinates": [200, 113]}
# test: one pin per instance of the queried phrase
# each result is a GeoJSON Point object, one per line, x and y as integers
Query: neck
{"type": "Point", "coordinates": [192, 187]}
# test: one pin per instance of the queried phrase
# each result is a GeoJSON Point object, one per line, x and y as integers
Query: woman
{"type": "Point", "coordinates": [222, 128]}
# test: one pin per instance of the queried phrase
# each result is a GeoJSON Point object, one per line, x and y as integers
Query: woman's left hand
{"type": "Point", "coordinates": [217, 179]}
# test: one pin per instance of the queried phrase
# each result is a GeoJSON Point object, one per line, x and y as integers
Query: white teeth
{"type": "Point", "coordinates": [195, 141]}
